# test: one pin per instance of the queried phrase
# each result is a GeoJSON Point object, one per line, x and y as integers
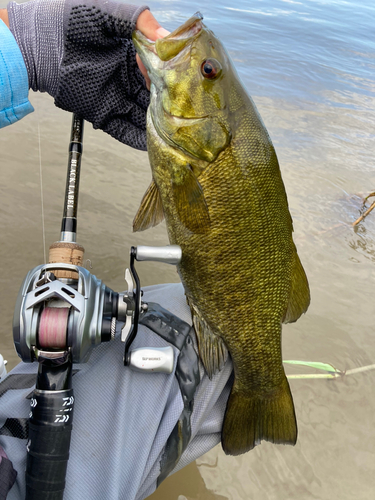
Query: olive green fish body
{"type": "Point", "coordinates": [216, 179]}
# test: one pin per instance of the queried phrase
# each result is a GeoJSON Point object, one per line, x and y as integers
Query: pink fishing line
{"type": "Point", "coordinates": [53, 327]}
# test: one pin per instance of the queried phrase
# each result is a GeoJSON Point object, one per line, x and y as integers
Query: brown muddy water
{"type": "Point", "coordinates": [309, 66]}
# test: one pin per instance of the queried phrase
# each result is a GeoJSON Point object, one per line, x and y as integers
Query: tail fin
{"type": "Point", "coordinates": [253, 417]}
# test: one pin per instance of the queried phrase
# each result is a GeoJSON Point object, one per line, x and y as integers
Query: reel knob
{"type": "Point", "coordinates": [170, 254]}
{"type": "Point", "coordinates": [157, 359]}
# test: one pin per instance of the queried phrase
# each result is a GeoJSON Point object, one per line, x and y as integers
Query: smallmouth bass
{"type": "Point", "coordinates": [217, 182]}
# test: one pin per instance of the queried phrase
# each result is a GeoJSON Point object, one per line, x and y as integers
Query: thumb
{"type": "Point", "coordinates": [148, 25]}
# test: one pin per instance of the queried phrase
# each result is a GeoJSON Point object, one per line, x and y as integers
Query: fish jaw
{"type": "Point", "coordinates": [147, 52]}
{"type": "Point", "coordinates": [155, 55]}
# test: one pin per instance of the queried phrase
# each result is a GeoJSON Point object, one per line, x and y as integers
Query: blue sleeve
{"type": "Point", "coordinates": [14, 84]}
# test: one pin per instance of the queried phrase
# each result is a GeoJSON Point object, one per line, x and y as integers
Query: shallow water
{"type": "Point", "coordinates": [309, 66]}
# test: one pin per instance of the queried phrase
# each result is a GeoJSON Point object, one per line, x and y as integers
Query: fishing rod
{"type": "Point", "coordinates": [62, 312]}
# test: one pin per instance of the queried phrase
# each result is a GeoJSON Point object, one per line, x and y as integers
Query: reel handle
{"type": "Point", "coordinates": [170, 254]}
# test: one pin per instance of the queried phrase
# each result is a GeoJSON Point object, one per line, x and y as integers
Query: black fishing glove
{"type": "Point", "coordinates": [81, 53]}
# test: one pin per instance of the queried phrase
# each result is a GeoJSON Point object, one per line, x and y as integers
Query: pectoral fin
{"type": "Point", "coordinates": [212, 350]}
{"type": "Point", "coordinates": [299, 298]}
{"type": "Point", "coordinates": [189, 200]}
{"type": "Point", "coordinates": [150, 212]}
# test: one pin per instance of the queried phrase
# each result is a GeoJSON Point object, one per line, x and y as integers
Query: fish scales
{"type": "Point", "coordinates": [217, 179]}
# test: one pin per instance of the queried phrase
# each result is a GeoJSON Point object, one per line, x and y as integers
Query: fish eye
{"type": "Point", "coordinates": [210, 68]}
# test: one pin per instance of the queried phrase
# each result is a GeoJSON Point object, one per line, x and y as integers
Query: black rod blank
{"type": "Point", "coordinates": [69, 221]}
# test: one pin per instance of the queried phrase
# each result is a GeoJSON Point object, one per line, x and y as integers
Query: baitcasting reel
{"type": "Point", "coordinates": [53, 315]}
{"type": "Point", "coordinates": [62, 312]}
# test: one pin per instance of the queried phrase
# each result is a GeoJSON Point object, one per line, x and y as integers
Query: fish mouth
{"type": "Point", "coordinates": [169, 47]}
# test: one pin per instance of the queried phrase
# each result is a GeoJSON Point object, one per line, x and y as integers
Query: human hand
{"type": "Point", "coordinates": [83, 56]}
{"type": "Point", "coordinates": [149, 26]}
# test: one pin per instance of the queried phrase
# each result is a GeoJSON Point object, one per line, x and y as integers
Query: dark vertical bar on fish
{"type": "Point", "coordinates": [69, 221]}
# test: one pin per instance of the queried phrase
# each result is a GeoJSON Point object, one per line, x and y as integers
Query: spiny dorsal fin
{"type": "Point", "coordinates": [189, 200]}
{"type": "Point", "coordinates": [150, 212]}
{"type": "Point", "coordinates": [212, 350]}
{"type": "Point", "coordinates": [299, 298]}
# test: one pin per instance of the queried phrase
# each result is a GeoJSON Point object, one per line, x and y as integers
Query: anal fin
{"type": "Point", "coordinates": [212, 350]}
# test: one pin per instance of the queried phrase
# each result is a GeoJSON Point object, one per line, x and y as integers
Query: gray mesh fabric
{"type": "Point", "coordinates": [81, 53]}
{"type": "Point", "coordinates": [38, 29]}
{"type": "Point", "coordinates": [122, 419]}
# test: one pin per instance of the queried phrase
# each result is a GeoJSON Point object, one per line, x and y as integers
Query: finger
{"type": "Point", "coordinates": [149, 26]}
